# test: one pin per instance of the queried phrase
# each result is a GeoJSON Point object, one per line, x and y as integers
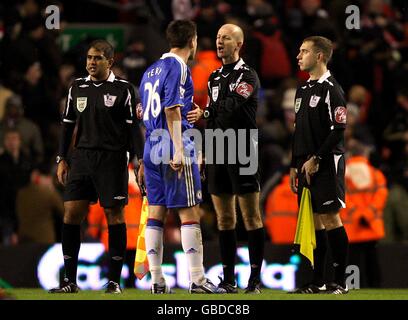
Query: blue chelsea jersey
{"type": "Point", "coordinates": [165, 84]}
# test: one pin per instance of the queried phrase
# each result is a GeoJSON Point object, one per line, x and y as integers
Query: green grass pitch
{"type": "Point", "coordinates": [267, 294]}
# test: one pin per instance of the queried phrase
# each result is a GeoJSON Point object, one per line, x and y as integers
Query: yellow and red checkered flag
{"type": "Point", "coordinates": [305, 232]}
{"type": "Point", "coordinates": [141, 266]}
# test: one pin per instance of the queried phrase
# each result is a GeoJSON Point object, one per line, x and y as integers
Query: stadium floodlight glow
{"type": "Point", "coordinates": [91, 275]}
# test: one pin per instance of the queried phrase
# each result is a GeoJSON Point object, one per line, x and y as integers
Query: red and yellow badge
{"type": "Point", "coordinates": [244, 89]}
{"type": "Point", "coordinates": [340, 114]}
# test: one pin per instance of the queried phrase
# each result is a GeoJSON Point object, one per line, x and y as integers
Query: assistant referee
{"type": "Point", "coordinates": [318, 159]}
{"type": "Point", "coordinates": [102, 107]}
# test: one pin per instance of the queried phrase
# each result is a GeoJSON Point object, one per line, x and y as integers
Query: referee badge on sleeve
{"type": "Point", "coordinates": [298, 102]}
{"type": "Point", "coordinates": [314, 100]}
{"type": "Point", "coordinates": [81, 103]}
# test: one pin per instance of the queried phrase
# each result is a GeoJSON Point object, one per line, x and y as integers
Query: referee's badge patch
{"type": "Point", "coordinates": [314, 100]}
{"type": "Point", "coordinates": [81, 103]}
{"type": "Point", "coordinates": [298, 102]}
{"type": "Point", "coordinates": [244, 89]}
{"type": "Point", "coordinates": [340, 114]}
{"type": "Point", "coordinates": [214, 93]}
{"type": "Point", "coordinates": [109, 100]}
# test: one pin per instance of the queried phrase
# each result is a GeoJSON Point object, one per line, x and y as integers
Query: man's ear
{"type": "Point", "coordinates": [320, 56]}
{"type": "Point", "coordinates": [240, 44]}
{"type": "Point", "coordinates": [110, 62]}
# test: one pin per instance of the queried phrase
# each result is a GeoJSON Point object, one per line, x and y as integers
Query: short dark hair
{"type": "Point", "coordinates": [322, 45]}
{"type": "Point", "coordinates": [103, 46]}
{"type": "Point", "coordinates": [180, 32]}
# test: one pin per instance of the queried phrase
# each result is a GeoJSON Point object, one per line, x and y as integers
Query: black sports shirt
{"type": "Point", "coordinates": [233, 93]}
{"type": "Point", "coordinates": [104, 112]}
{"type": "Point", "coordinates": [320, 118]}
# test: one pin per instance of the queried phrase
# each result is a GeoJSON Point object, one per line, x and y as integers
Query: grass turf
{"type": "Point", "coordinates": [267, 294]}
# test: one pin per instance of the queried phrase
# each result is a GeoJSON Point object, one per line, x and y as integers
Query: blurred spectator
{"type": "Point", "coordinates": [135, 61]}
{"type": "Point", "coordinates": [208, 20]}
{"type": "Point", "coordinates": [184, 9]}
{"type": "Point", "coordinates": [395, 213]}
{"type": "Point", "coordinates": [5, 93]}
{"type": "Point", "coordinates": [31, 140]}
{"type": "Point", "coordinates": [35, 43]}
{"type": "Point", "coordinates": [357, 133]}
{"type": "Point", "coordinates": [366, 196]}
{"type": "Point", "coordinates": [206, 63]}
{"type": "Point", "coordinates": [309, 19]}
{"type": "Point", "coordinates": [14, 169]}
{"type": "Point", "coordinates": [281, 211]}
{"type": "Point", "coordinates": [39, 103]}
{"type": "Point", "coordinates": [36, 205]}
{"type": "Point", "coordinates": [276, 134]}
{"type": "Point", "coordinates": [361, 97]}
{"type": "Point", "coordinates": [396, 133]}
{"type": "Point", "coordinates": [275, 64]}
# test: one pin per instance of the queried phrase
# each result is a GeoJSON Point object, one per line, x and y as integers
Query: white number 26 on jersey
{"type": "Point", "coordinates": [153, 100]}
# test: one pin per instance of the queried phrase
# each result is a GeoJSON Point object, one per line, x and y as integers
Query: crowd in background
{"type": "Point", "coordinates": [371, 64]}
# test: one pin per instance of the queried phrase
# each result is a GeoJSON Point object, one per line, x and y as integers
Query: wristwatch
{"type": "Point", "coordinates": [206, 114]}
{"type": "Point", "coordinates": [58, 159]}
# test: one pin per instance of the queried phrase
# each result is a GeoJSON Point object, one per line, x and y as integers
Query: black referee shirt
{"type": "Point", "coordinates": [320, 109]}
{"type": "Point", "coordinates": [233, 93]}
{"type": "Point", "coordinates": [103, 110]}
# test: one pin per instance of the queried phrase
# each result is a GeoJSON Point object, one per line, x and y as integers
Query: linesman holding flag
{"type": "Point", "coordinates": [318, 160]}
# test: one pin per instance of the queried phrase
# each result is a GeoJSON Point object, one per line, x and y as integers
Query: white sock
{"type": "Point", "coordinates": [193, 248]}
{"type": "Point", "coordinates": [154, 249]}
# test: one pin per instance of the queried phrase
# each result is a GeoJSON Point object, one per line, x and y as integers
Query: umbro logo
{"type": "Point", "coordinates": [328, 202]}
{"type": "Point", "coordinates": [84, 86]}
{"type": "Point", "coordinates": [119, 197]}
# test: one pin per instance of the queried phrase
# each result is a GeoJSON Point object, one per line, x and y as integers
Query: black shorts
{"type": "Point", "coordinates": [326, 186]}
{"type": "Point", "coordinates": [226, 178]}
{"type": "Point", "coordinates": [96, 174]}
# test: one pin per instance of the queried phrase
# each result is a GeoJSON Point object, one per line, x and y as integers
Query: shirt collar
{"type": "Point", "coordinates": [172, 55]}
{"type": "Point", "coordinates": [238, 64]}
{"type": "Point", "coordinates": [111, 77]}
{"type": "Point", "coordinates": [324, 77]}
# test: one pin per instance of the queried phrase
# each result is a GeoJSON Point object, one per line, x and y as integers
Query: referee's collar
{"type": "Point", "coordinates": [323, 78]}
{"type": "Point", "coordinates": [238, 64]}
{"type": "Point", "coordinates": [111, 77]}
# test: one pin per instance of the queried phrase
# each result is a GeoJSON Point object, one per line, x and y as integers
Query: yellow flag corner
{"type": "Point", "coordinates": [305, 232]}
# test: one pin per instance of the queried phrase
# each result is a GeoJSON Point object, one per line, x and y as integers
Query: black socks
{"type": "Point", "coordinates": [338, 241]}
{"type": "Point", "coordinates": [71, 242]}
{"type": "Point", "coordinates": [228, 248]}
{"type": "Point", "coordinates": [256, 244]}
{"type": "Point", "coordinates": [117, 250]}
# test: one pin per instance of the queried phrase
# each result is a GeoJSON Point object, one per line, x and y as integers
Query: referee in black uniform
{"type": "Point", "coordinates": [102, 107]}
{"type": "Point", "coordinates": [233, 96]}
{"type": "Point", "coordinates": [318, 160]}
